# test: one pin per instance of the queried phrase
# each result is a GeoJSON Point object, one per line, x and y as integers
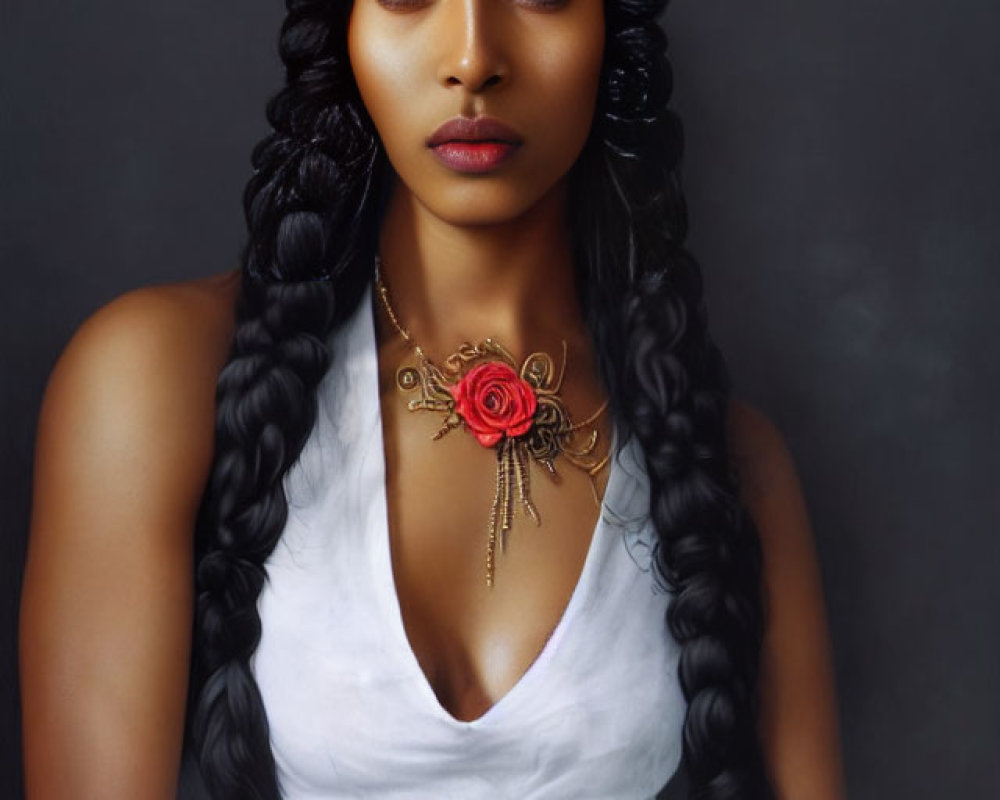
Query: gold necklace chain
{"type": "Point", "coordinates": [516, 411]}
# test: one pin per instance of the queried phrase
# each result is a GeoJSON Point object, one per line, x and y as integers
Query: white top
{"type": "Point", "coordinates": [598, 714]}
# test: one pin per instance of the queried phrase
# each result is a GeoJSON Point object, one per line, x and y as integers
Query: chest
{"type": "Point", "coordinates": [474, 640]}
{"type": "Point", "coordinates": [594, 709]}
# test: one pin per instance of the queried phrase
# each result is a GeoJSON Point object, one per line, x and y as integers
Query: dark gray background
{"type": "Point", "coordinates": [843, 171]}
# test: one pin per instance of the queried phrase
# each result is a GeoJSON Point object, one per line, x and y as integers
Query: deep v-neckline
{"type": "Point", "coordinates": [385, 580]}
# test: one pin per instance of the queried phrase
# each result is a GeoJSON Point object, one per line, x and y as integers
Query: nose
{"type": "Point", "coordinates": [472, 43]}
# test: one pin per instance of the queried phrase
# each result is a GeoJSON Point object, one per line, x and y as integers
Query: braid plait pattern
{"type": "Point", "coordinates": [707, 551]}
{"type": "Point", "coordinates": [265, 408]}
{"type": "Point", "coordinates": [312, 225]}
{"type": "Point", "coordinates": [643, 296]}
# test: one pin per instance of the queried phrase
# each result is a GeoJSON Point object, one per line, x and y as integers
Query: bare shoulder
{"type": "Point", "coordinates": [124, 446]}
{"type": "Point", "coordinates": [798, 706]}
{"type": "Point", "coordinates": [161, 321]}
{"type": "Point", "coordinates": [759, 454]}
{"type": "Point", "coordinates": [142, 369]}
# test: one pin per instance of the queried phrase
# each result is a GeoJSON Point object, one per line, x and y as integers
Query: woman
{"type": "Point", "coordinates": [404, 585]}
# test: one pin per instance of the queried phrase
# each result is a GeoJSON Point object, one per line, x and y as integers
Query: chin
{"type": "Point", "coordinates": [480, 205]}
{"type": "Point", "coordinates": [479, 217]}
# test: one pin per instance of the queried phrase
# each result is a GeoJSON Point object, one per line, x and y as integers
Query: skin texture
{"type": "Point", "coordinates": [125, 434]}
{"type": "Point", "coordinates": [123, 451]}
{"type": "Point", "coordinates": [799, 726]}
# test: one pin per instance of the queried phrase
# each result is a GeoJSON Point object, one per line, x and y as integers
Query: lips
{"type": "Point", "coordinates": [473, 145]}
{"type": "Point", "coordinates": [479, 129]}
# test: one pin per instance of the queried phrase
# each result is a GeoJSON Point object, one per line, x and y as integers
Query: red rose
{"type": "Point", "coordinates": [494, 401]}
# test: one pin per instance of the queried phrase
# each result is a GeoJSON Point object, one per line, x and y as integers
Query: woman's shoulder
{"type": "Point", "coordinates": [153, 337]}
{"type": "Point", "coordinates": [768, 479]}
{"type": "Point", "coordinates": [164, 317]}
{"type": "Point", "coordinates": [136, 384]}
{"type": "Point", "coordinates": [757, 449]}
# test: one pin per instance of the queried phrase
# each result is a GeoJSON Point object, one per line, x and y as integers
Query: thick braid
{"type": "Point", "coordinates": [312, 223]}
{"type": "Point", "coordinates": [707, 552]}
{"type": "Point", "coordinates": [643, 296]}
{"type": "Point", "coordinates": [265, 409]}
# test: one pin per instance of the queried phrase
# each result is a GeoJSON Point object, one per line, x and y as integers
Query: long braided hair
{"type": "Point", "coordinates": [313, 209]}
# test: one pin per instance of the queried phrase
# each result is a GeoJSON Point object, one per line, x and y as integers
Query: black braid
{"type": "Point", "coordinates": [667, 383]}
{"type": "Point", "coordinates": [266, 405]}
{"type": "Point", "coordinates": [312, 226]}
{"type": "Point", "coordinates": [707, 552]}
{"type": "Point", "coordinates": [313, 209]}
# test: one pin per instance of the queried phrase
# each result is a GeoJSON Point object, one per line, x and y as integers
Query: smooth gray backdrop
{"type": "Point", "coordinates": [843, 172]}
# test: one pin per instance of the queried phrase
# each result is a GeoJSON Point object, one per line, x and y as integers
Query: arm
{"type": "Point", "coordinates": [123, 451]}
{"type": "Point", "coordinates": [798, 706]}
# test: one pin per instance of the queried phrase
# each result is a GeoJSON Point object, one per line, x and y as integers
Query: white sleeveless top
{"type": "Point", "coordinates": [598, 714]}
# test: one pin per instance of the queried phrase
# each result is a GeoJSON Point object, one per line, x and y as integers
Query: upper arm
{"type": "Point", "coordinates": [124, 446]}
{"type": "Point", "coordinates": [798, 708]}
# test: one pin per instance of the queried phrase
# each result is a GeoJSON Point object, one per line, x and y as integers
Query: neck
{"type": "Point", "coordinates": [512, 281]}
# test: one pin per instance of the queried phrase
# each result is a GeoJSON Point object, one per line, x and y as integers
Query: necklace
{"type": "Point", "coordinates": [517, 411]}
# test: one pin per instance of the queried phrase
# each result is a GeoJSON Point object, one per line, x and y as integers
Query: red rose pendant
{"type": "Point", "coordinates": [494, 401]}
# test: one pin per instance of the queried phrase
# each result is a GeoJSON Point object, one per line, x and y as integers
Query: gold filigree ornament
{"type": "Point", "coordinates": [516, 411]}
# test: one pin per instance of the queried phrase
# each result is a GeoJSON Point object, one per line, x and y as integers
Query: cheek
{"type": "Point", "coordinates": [566, 77]}
{"type": "Point", "coordinates": [382, 69]}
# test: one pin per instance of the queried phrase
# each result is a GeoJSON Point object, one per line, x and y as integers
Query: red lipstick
{"type": "Point", "coordinates": [473, 145]}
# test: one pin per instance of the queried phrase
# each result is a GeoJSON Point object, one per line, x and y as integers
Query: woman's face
{"type": "Point", "coordinates": [531, 65]}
